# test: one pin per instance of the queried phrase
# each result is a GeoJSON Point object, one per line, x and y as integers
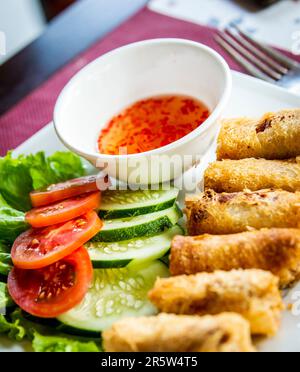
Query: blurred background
{"type": "Point", "coordinates": [43, 43]}
{"type": "Point", "coordinates": [22, 21]}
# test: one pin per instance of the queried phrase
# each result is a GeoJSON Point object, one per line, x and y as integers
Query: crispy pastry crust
{"type": "Point", "coordinates": [231, 213]}
{"type": "Point", "coordinates": [253, 174]}
{"type": "Point", "coordinates": [179, 333]}
{"type": "Point", "coordinates": [254, 294]}
{"type": "Point", "coordinates": [275, 250]}
{"type": "Point", "coordinates": [274, 136]}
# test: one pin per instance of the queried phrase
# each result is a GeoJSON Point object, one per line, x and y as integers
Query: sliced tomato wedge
{"type": "Point", "coordinates": [38, 248]}
{"type": "Point", "coordinates": [69, 189]}
{"type": "Point", "coordinates": [55, 289]}
{"type": "Point", "coordinates": [63, 211]}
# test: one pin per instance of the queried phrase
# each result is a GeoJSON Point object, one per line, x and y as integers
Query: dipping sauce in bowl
{"type": "Point", "coordinates": [151, 124]}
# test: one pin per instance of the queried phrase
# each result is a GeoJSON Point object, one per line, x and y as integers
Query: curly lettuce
{"type": "Point", "coordinates": [5, 259]}
{"type": "Point", "coordinates": [5, 264]}
{"type": "Point", "coordinates": [5, 299]}
{"type": "Point", "coordinates": [19, 176]}
{"type": "Point", "coordinates": [13, 329]}
{"type": "Point", "coordinates": [44, 336]}
{"type": "Point", "coordinates": [56, 344]}
{"type": "Point", "coordinates": [59, 167]}
{"type": "Point", "coordinates": [18, 332]}
{"type": "Point", "coordinates": [12, 224]}
{"type": "Point", "coordinates": [15, 183]}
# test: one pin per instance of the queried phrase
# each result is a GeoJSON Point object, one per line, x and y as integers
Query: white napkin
{"type": "Point", "coordinates": [278, 24]}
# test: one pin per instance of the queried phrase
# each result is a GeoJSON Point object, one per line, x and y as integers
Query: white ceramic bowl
{"type": "Point", "coordinates": [137, 71]}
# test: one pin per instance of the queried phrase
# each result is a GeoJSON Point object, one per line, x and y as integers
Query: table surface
{"type": "Point", "coordinates": [67, 36]}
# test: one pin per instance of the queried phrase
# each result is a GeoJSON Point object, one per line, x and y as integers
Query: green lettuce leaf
{"type": "Point", "coordinates": [13, 329]}
{"type": "Point", "coordinates": [19, 176]}
{"type": "Point", "coordinates": [15, 182]}
{"type": "Point", "coordinates": [5, 299]}
{"type": "Point", "coordinates": [32, 324]}
{"type": "Point", "coordinates": [5, 263]}
{"type": "Point", "coordinates": [12, 224]}
{"type": "Point", "coordinates": [5, 258]}
{"type": "Point", "coordinates": [4, 248]}
{"type": "Point", "coordinates": [59, 167]}
{"type": "Point", "coordinates": [46, 338]}
{"type": "Point", "coordinates": [65, 166]}
{"type": "Point", "coordinates": [60, 344]}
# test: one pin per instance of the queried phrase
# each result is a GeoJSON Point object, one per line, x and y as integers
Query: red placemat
{"type": "Point", "coordinates": [35, 111]}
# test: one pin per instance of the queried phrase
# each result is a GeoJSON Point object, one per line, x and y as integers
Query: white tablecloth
{"type": "Point", "coordinates": [278, 24]}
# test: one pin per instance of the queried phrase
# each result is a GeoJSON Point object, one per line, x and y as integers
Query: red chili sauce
{"type": "Point", "coordinates": [151, 124]}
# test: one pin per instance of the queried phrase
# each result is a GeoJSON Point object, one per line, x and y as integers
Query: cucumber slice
{"type": "Point", "coordinates": [120, 254]}
{"type": "Point", "coordinates": [136, 227]}
{"type": "Point", "coordinates": [120, 204]}
{"type": "Point", "coordinates": [5, 299]}
{"type": "Point", "coordinates": [114, 294]}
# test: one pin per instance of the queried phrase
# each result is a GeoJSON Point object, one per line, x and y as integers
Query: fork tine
{"type": "Point", "coordinates": [249, 67]}
{"type": "Point", "coordinates": [279, 57]}
{"type": "Point", "coordinates": [262, 55]}
{"type": "Point", "coordinates": [246, 54]}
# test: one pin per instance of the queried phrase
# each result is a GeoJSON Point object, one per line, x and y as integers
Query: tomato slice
{"type": "Point", "coordinates": [35, 249]}
{"type": "Point", "coordinates": [63, 211]}
{"type": "Point", "coordinates": [69, 189]}
{"type": "Point", "coordinates": [55, 289]}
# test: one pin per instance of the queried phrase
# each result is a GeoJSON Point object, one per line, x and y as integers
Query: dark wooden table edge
{"type": "Point", "coordinates": [68, 35]}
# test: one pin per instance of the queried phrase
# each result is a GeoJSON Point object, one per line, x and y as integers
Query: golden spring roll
{"type": "Point", "coordinates": [180, 333]}
{"type": "Point", "coordinates": [274, 136]}
{"type": "Point", "coordinates": [253, 174]}
{"type": "Point", "coordinates": [254, 294]}
{"type": "Point", "coordinates": [217, 214]}
{"type": "Point", "coordinates": [274, 250]}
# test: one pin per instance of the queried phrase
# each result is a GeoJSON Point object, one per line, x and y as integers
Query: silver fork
{"type": "Point", "coordinates": [259, 59]}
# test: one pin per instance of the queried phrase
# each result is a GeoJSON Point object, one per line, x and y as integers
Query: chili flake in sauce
{"type": "Point", "coordinates": [152, 123]}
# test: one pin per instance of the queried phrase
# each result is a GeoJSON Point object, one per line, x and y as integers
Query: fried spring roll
{"type": "Point", "coordinates": [254, 294]}
{"type": "Point", "coordinates": [179, 333]}
{"type": "Point", "coordinates": [253, 174]}
{"type": "Point", "coordinates": [214, 213]}
{"type": "Point", "coordinates": [274, 250]}
{"type": "Point", "coordinates": [274, 136]}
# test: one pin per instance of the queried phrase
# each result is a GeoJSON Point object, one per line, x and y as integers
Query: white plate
{"type": "Point", "coordinates": [250, 97]}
